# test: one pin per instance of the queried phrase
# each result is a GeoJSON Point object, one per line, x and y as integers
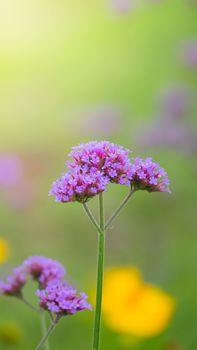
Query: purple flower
{"type": "Point", "coordinates": [94, 164]}
{"type": "Point", "coordinates": [62, 299]}
{"type": "Point", "coordinates": [175, 102]}
{"type": "Point", "coordinates": [189, 53]}
{"type": "Point", "coordinates": [79, 185]}
{"type": "Point", "coordinates": [14, 283]}
{"type": "Point", "coordinates": [100, 120]}
{"type": "Point", "coordinates": [10, 170]}
{"type": "Point", "coordinates": [147, 175]}
{"type": "Point", "coordinates": [123, 6]}
{"type": "Point", "coordinates": [110, 159]}
{"type": "Point", "coordinates": [43, 270]}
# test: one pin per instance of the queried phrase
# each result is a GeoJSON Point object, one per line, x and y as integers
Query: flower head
{"type": "Point", "coordinates": [14, 283]}
{"type": "Point", "coordinates": [43, 269]}
{"type": "Point", "coordinates": [110, 159]}
{"type": "Point", "coordinates": [79, 185]}
{"type": "Point", "coordinates": [94, 165]}
{"type": "Point", "coordinates": [62, 299]}
{"type": "Point", "coordinates": [147, 175]}
{"type": "Point", "coordinates": [141, 309]}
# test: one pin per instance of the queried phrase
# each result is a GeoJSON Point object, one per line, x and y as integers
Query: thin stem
{"type": "Point", "coordinates": [116, 212]}
{"type": "Point", "coordinates": [101, 212]}
{"type": "Point", "coordinates": [91, 217]}
{"type": "Point", "coordinates": [28, 304]}
{"type": "Point", "coordinates": [44, 328]}
{"type": "Point", "coordinates": [51, 316]}
{"type": "Point", "coordinates": [100, 265]}
{"type": "Point", "coordinates": [48, 333]}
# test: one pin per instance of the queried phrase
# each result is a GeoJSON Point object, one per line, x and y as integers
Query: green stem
{"type": "Point", "coordinates": [91, 217]}
{"type": "Point", "coordinates": [100, 265]}
{"type": "Point", "coordinates": [24, 301]}
{"type": "Point", "coordinates": [48, 333]}
{"type": "Point", "coordinates": [117, 211]}
{"type": "Point", "coordinates": [44, 328]}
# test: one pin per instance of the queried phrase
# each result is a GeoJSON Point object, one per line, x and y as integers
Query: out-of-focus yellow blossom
{"type": "Point", "coordinates": [4, 250]}
{"type": "Point", "coordinates": [132, 306]}
{"type": "Point", "coordinates": [11, 333]}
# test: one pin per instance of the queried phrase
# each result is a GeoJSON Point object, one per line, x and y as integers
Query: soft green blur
{"type": "Point", "coordinates": [60, 61]}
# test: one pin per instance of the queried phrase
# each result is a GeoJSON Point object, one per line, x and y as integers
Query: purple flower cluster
{"type": "Point", "coordinates": [95, 164]}
{"type": "Point", "coordinates": [40, 268]}
{"type": "Point", "coordinates": [54, 295]}
{"type": "Point", "coordinates": [43, 270]}
{"type": "Point", "coordinates": [78, 185]}
{"type": "Point", "coordinates": [62, 299]}
{"type": "Point", "coordinates": [111, 159]}
{"type": "Point", "coordinates": [14, 283]}
{"type": "Point", "coordinates": [147, 175]}
{"type": "Point", "coordinates": [92, 167]}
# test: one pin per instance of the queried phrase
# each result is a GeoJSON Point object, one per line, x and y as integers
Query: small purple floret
{"type": "Point", "coordinates": [110, 159]}
{"type": "Point", "coordinates": [79, 185]}
{"type": "Point", "coordinates": [62, 299]}
{"type": "Point", "coordinates": [43, 270]}
{"type": "Point", "coordinates": [14, 284]}
{"type": "Point", "coordinates": [147, 175]}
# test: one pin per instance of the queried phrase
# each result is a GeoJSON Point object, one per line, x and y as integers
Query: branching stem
{"type": "Point", "coordinates": [117, 211]}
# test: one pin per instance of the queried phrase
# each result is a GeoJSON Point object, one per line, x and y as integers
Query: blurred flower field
{"type": "Point", "coordinates": [123, 71]}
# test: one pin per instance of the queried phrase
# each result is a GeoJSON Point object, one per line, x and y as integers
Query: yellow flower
{"type": "Point", "coordinates": [4, 250]}
{"type": "Point", "coordinates": [11, 333]}
{"type": "Point", "coordinates": [131, 306]}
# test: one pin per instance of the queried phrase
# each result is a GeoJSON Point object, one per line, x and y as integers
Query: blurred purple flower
{"type": "Point", "coordinates": [62, 299]}
{"type": "Point", "coordinates": [122, 6]}
{"type": "Point", "coordinates": [15, 185]}
{"type": "Point", "coordinates": [189, 53]}
{"type": "Point", "coordinates": [11, 170]}
{"type": "Point", "coordinates": [175, 101]}
{"type": "Point", "coordinates": [39, 268]}
{"type": "Point", "coordinates": [179, 136]}
{"type": "Point", "coordinates": [14, 283]}
{"type": "Point", "coordinates": [171, 128]}
{"type": "Point", "coordinates": [149, 176]}
{"type": "Point", "coordinates": [102, 120]}
{"type": "Point", "coordinates": [43, 270]}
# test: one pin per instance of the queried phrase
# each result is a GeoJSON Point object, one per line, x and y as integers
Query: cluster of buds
{"type": "Point", "coordinates": [94, 165]}
{"type": "Point", "coordinates": [54, 295]}
{"type": "Point", "coordinates": [62, 299]}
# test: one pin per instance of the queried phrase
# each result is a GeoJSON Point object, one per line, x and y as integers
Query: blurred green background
{"type": "Point", "coordinates": [76, 71]}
